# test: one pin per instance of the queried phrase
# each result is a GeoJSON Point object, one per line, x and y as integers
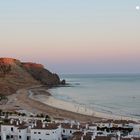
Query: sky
{"type": "Point", "coordinates": [73, 36]}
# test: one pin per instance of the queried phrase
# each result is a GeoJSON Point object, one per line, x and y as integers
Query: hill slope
{"type": "Point", "coordinates": [15, 75]}
{"type": "Point", "coordinates": [40, 73]}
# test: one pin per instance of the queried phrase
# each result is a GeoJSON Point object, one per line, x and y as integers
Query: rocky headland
{"type": "Point", "coordinates": [15, 75]}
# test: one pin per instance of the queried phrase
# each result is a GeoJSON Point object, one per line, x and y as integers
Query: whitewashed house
{"type": "Point", "coordinates": [68, 129]}
{"type": "Point", "coordinates": [46, 131]}
{"type": "Point", "coordinates": [18, 130]}
{"type": "Point", "coordinates": [13, 130]}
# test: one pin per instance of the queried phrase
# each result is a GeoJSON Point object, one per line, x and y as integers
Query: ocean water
{"type": "Point", "coordinates": [111, 94]}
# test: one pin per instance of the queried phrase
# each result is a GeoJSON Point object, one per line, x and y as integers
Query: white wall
{"type": "Point", "coordinates": [6, 130]}
{"type": "Point", "coordinates": [68, 132]}
{"type": "Point", "coordinates": [42, 134]}
{"type": "Point", "coordinates": [22, 133]}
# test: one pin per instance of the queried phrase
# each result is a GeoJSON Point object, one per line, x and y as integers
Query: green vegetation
{"type": "Point", "coordinates": [112, 129]}
{"type": "Point", "coordinates": [40, 115]}
{"type": "Point", "coordinates": [47, 118]}
{"type": "Point", "coordinates": [3, 97]}
{"type": "Point", "coordinates": [6, 113]}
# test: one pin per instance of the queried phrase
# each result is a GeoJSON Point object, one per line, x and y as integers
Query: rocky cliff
{"type": "Point", "coordinates": [41, 74]}
{"type": "Point", "coordinates": [15, 75]}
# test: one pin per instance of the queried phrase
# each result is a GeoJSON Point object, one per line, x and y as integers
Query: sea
{"type": "Point", "coordinates": [117, 94]}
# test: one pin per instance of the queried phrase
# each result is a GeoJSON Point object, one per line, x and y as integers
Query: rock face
{"type": "Point", "coordinates": [41, 74]}
{"type": "Point", "coordinates": [63, 82]}
{"type": "Point", "coordinates": [15, 75]}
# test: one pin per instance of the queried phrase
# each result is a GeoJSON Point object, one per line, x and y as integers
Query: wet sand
{"type": "Point", "coordinates": [74, 107]}
{"type": "Point", "coordinates": [39, 100]}
{"type": "Point", "coordinates": [23, 100]}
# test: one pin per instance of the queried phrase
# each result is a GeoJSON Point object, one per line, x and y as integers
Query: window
{"type": "Point", "coordinates": [63, 131]}
{"type": "Point", "coordinates": [7, 137]}
{"type": "Point", "coordinates": [28, 138]}
{"type": "Point", "coordinates": [11, 136]}
{"type": "Point", "coordinates": [34, 132]}
{"type": "Point", "coordinates": [39, 139]}
{"type": "Point", "coordinates": [70, 131]}
{"type": "Point", "coordinates": [12, 129]}
{"type": "Point", "coordinates": [19, 137]}
{"type": "Point", "coordinates": [39, 132]}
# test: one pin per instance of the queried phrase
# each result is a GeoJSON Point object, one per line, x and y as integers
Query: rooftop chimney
{"type": "Point", "coordinates": [43, 125]}
{"type": "Point", "coordinates": [85, 133]}
{"type": "Point", "coordinates": [78, 125]}
{"type": "Point", "coordinates": [11, 121]}
{"type": "Point", "coordinates": [86, 126]}
{"type": "Point", "coordinates": [71, 125]}
{"type": "Point", "coordinates": [20, 121]}
{"type": "Point", "coordinates": [35, 124]}
{"type": "Point", "coordinates": [17, 123]}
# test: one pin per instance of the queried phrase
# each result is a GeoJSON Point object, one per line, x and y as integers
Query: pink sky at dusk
{"type": "Point", "coordinates": [79, 37]}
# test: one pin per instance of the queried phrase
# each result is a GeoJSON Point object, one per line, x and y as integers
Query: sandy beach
{"type": "Point", "coordinates": [39, 100]}
{"type": "Point", "coordinates": [25, 100]}
{"type": "Point", "coordinates": [73, 107]}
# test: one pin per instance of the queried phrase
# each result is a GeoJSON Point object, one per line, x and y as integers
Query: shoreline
{"type": "Point", "coordinates": [23, 100]}
{"type": "Point", "coordinates": [31, 102]}
{"type": "Point", "coordinates": [75, 108]}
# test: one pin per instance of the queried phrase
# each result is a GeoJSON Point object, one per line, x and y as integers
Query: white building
{"type": "Point", "coordinates": [33, 129]}
{"type": "Point", "coordinates": [19, 130]}
{"type": "Point", "coordinates": [45, 131]}
{"type": "Point", "coordinates": [68, 129]}
{"type": "Point", "coordinates": [13, 130]}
